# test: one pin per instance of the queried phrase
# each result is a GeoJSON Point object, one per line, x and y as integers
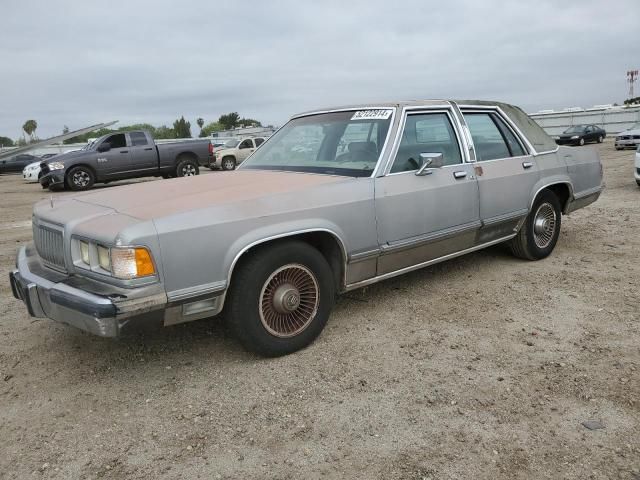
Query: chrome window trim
{"type": "Point", "coordinates": [393, 109]}
{"type": "Point", "coordinates": [512, 124]}
{"type": "Point", "coordinates": [417, 109]}
{"type": "Point", "coordinates": [527, 147]}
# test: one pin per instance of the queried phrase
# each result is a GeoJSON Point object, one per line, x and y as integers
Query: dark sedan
{"type": "Point", "coordinates": [17, 163]}
{"type": "Point", "coordinates": [581, 134]}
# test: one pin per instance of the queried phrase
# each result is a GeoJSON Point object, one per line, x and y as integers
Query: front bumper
{"type": "Point", "coordinates": [627, 143]}
{"type": "Point", "coordinates": [98, 309]}
{"type": "Point", "coordinates": [52, 179]}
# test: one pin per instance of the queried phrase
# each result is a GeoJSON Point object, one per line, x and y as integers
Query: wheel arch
{"type": "Point", "coordinates": [186, 155]}
{"type": "Point", "coordinates": [561, 188]}
{"type": "Point", "coordinates": [325, 240]}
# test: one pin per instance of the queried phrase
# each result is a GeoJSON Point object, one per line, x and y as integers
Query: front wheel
{"type": "Point", "coordinates": [539, 234]}
{"type": "Point", "coordinates": [600, 139]}
{"type": "Point", "coordinates": [280, 298]}
{"type": "Point", "coordinates": [187, 168]}
{"type": "Point", "coordinates": [80, 178]}
{"type": "Point", "coordinates": [581, 142]}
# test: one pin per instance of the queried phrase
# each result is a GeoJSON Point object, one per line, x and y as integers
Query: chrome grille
{"type": "Point", "coordinates": [50, 246]}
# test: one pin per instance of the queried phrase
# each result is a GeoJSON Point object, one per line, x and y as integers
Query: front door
{"type": "Point", "coordinates": [506, 174]}
{"type": "Point", "coordinates": [116, 160]}
{"type": "Point", "coordinates": [245, 149]}
{"type": "Point", "coordinates": [424, 217]}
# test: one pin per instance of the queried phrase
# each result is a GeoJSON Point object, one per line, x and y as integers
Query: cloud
{"type": "Point", "coordinates": [75, 63]}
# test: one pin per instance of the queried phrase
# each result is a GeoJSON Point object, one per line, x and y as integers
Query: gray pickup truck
{"type": "Point", "coordinates": [337, 199]}
{"type": "Point", "coordinates": [122, 155]}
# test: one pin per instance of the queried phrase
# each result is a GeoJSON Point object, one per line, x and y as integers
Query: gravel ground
{"type": "Point", "coordinates": [482, 367]}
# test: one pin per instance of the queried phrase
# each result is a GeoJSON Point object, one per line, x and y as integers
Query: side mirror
{"type": "Point", "coordinates": [430, 161]}
{"type": "Point", "coordinates": [104, 147]}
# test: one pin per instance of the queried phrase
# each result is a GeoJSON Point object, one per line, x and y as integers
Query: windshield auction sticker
{"type": "Point", "coordinates": [372, 114]}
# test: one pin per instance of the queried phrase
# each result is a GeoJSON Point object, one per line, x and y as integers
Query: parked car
{"type": "Point", "coordinates": [417, 183]}
{"type": "Point", "coordinates": [31, 173]}
{"type": "Point", "coordinates": [122, 155]}
{"type": "Point", "coordinates": [581, 134]}
{"type": "Point", "coordinates": [17, 163]}
{"type": "Point", "coordinates": [234, 152]}
{"type": "Point", "coordinates": [630, 138]}
{"type": "Point", "coordinates": [637, 170]}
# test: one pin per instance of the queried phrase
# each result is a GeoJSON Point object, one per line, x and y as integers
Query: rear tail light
{"type": "Point", "coordinates": [210, 148]}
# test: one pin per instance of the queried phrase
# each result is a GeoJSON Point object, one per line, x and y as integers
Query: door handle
{"type": "Point", "coordinates": [149, 148]}
{"type": "Point", "coordinates": [459, 174]}
{"type": "Point", "coordinates": [526, 165]}
{"type": "Point", "coordinates": [124, 151]}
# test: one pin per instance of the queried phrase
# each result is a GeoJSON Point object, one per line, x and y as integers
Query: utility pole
{"type": "Point", "coordinates": [632, 77]}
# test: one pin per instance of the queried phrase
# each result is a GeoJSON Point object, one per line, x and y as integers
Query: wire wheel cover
{"type": "Point", "coordinates": [544, 225]}
{"type": "Point", "coordinates": [289, 300]}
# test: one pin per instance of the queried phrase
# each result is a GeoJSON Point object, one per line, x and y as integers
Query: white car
{"type": "Point", "coordinates": [31, 172]}
{"type": "Point", "coordinates": [636, 172]}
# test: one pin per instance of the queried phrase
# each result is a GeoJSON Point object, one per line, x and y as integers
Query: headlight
{"type": "Point", "coordinates": [84, 252]}
{"type": "Point", "coordinates": [575, 137]}
{"type": "Point", "coordinates": [104, 259]}
{"type": "Point", "coordinates": [56, 166]}
{"type": "Point", "coordinates": [556, 137]}
{"type": "Point", "coordinates": [127, 263]}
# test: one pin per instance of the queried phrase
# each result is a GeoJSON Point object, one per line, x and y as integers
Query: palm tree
{"type": "Point", "coordinates": [29, 128]}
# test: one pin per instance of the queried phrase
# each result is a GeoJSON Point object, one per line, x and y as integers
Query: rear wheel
{"type": "Point", "coordinates": [187, 168]}
{"type": "Point", "coordinates": [280, 298]}
{"type": "Point", "coordinates": [228, 163]}
{"type": "Point", "coordinates": [539, 234]}
{"type": "Point", "coordinates": [80, 178]}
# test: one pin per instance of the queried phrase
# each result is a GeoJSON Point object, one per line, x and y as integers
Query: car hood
{"type": "Point", "coordinates": [67, 156]}
{"type": "Point", "coordinates": [630, 132]}
{"type": "Point", "coordinates": [239, 189]}
{"type": "Point", "coordinates": [33, 165]}
{"type": "Point", "coordinates": [219, 151]}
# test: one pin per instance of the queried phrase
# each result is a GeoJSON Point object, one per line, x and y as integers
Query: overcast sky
{"type": "Point", "coordinates": [75, 63]}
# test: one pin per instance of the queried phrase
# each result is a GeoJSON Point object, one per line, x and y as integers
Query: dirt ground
{"type": "Point", "coordinates": [483, 367]}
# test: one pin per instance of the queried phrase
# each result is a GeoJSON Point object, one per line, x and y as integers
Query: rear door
{"type": "Point", "coordinates": [144, 158]}
{"type": "Point", "coordinates": [116, 161]}
{"type": "Point", "coordinates": [505, 170]}
{"type": "Point", "coordinates": [421, 218]}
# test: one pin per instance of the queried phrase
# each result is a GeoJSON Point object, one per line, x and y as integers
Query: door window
{"type": "Point", "coordinates": [426, 133]}
{"type": "Point", "coordinates": [259, 141]}
{"type": "Point", "coordinates": [491, 137]}
{"type": "Point", "coordinates": [117, 141]}
{"type": "Point", "coordinates": [246, 144]}
{"type": "Point", "coordinates": [138, 139]}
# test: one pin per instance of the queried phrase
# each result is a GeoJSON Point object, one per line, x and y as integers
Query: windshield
{"type": "Point", "coordinates": [233, 143]}
{"type": "Point", "coordinates": [575, 129]}
{"type": "Point", "coordinates": [341, 143]}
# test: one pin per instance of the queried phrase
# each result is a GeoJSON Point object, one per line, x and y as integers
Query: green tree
{"type": "Point", "coordinates": [249, 122]}
{"type": "Point", "coordinates": [6, 142]}
{"type": "Point", "coordinates": [182, 128]}
{"type": "Point", "coordinates": [208, 129]}
{"type": "Point", "coordinates": [29, 128]}
{"type": "Point", "coordinates": [164, 132]}
{"type": "Point", "coordinates": [229, 120]}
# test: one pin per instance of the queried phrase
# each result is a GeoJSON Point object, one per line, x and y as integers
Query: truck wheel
{"type": "Point", "coordinates": [228, 163]}
{"type": "Point", "coordinates": [280, 299]}
{"type": "Point", "coordinates": [80, 178]}
{"type": "Point", "coordinates": [539, 233]}
{"type": "Point", "coordinates": [187, 168]}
